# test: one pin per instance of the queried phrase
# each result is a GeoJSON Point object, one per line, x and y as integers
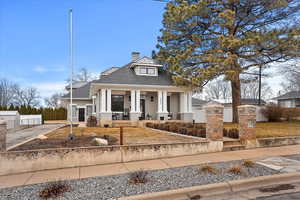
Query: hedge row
{"type": "Point", "coordinates": [47, 113]}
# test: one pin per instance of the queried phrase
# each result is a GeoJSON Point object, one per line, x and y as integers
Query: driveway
{"type": "Point", "coordinates": [17, 137]}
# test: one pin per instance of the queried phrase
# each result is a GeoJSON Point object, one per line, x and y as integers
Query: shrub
{"type": "Point", "coordinates": [91, 121]}
{"type": "Point", "coordinates": [182, 131]}
{"type": "Point", "coordinates": [291, 114]}
{"type": "Point", "coordinates": [209, 169]}
{"type": "Point", "coordinates": [173, 128]}
{"type": "Point", "coordinates": [236, 170]}
{"type": "Point", "coordinates": [201, 133]}
{"type": "Point", "coordinates": [272, 112]}
{"type": "Point", "coordinates": [54, 190]}
{"type": "Point", "coordinates": [249, 163]}
{"type": "Point", "coordinates": [156, 126]}
{"type": "Point", "coordinates": [161, 126]}
{"type": "Point", "coordinates": [231, 133]}
{"type": "Point", "coordinates": [149, 125]}
{"type": "Point", "coordinates": [139, 176]}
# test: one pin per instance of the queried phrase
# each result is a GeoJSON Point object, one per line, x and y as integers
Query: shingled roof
{"type": "Point", "coordinates": [80, 93]}
{"type": "Point", "coordinates": [289, 95]}
{"type": "Point", "coordinates": [126, 75]}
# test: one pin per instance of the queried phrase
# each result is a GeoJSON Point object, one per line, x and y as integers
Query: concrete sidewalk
{"type": "Point", "coordinates": [119, 168]}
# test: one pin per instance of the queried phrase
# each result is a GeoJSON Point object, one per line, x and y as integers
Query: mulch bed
{"type": "Point", "coordinates": [79, 141]}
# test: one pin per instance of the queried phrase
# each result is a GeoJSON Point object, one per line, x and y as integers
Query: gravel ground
{"type": "Point", "coordinates": [111, 187]}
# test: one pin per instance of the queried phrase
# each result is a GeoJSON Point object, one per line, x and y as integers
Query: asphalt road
{"type": "Point", "coordinates": [288, 196]}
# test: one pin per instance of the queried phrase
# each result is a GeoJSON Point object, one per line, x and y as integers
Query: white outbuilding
{"type": "Point", "coordinates": [11, 117]}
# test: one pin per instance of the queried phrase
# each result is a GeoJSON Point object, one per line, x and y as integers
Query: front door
{"type": "Point", "coordinates": [81, 116]}
{"type": "Point", "coordinates": [142, 109]}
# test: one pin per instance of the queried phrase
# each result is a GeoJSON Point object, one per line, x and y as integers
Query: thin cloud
{"type": "Point", "coordinates": [43, 69]}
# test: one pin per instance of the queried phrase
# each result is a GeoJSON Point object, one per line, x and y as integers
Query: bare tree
{"type": "Point", "coordinates": [218, 89]}
{"type": "Point", "coordinates": [53, 101]}
{"type": "Point", "coordinates": [291, 74]}
{"type": "Point", "coordinates": [7, 90]}
{"type": "Point", "coordinates": [251, 90]}
{"type": "Point", "coordinates": [82, 76]}
{"type": "Point", "coordinates": [26, 96]}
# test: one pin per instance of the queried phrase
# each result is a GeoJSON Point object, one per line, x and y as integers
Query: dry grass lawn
{"type": "Point", "coordinates": [273, 129]}
{"type": "Point", "coordinates": [131, 135]}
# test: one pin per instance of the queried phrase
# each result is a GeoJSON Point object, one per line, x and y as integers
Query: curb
{"type": "Point", "coordinates": [218, 188]}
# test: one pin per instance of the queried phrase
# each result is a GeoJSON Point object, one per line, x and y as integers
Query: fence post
{"type": "Point", "coordinates": [214, 121]}
{"type": "Point", "coordinates": [3, 132]}
{"type": "Point", "coordinates": [121, 136]}
{"type": "Point", "coordinates": [247, 122]}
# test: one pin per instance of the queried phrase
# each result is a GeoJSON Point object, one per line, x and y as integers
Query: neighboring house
{"type": "Point", "coordinates": [289, 100]}
{"type": "Point", "coordinates": [12, 119]}
{"type": "Point", "coordinates": [200, 115]}
{"type": "Point", "coordinates": [141, 89]}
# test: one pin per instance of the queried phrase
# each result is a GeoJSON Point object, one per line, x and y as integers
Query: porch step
{"type": "Point", "coordinates": [233, 147]}
{"type": "Point", "coordinates": [232, 142]}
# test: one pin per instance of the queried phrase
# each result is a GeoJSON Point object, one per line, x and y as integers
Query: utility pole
{"type": "Point", "coordinates": [71, 135]}
{"type": "Point", "coordinates": [259, 87]}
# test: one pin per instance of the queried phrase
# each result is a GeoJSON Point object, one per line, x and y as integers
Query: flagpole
{"type": "Point", "coordinates": [71, 65]}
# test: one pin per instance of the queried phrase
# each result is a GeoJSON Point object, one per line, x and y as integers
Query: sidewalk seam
{"type": "Point", "coordinates": [166, 162]}
{"type": "Point", "coordinates": [28, 179]}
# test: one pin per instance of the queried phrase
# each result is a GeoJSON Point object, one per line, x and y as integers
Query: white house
{"type": "Point", "coordinates": [140, 90]}
{"type": "Point", "coordinates": [12, 118]}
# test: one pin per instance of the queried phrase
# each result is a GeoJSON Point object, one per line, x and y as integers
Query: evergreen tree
{"type": "Point", "coordinates": [203, 39]}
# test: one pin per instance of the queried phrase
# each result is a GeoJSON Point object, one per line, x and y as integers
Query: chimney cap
{"type": "Point", "coordinates": [135, 55]}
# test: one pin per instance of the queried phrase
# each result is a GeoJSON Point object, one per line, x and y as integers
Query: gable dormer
{"type": "Point", "coordinates": [144, 66]}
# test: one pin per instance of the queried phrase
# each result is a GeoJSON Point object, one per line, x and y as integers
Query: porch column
{"type": "Point", "coordinates": [186, 112]}
{"type": "Point", "coordinates": [138, 101]}
{"type": "Point", "coordinates": [103, 101]}
{"type": "Point", "coordinates": [132, 101]}
{"type": "Point", "coordinates": [108, 100]}
{"type": "Point", "coordinates": [189, 102]}
{"type": "Point", "coordinates": [94, 105]}
{"type": "Point", "coordinates": [165, 101]}
{"type": "Point", "coordinates": [183, 102]}
{"type": "Point", "coordinates": [159, 101]}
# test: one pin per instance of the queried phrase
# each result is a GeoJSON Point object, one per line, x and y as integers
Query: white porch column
{"type": "Point", "coordinates": [138, 100]}
{"type": "Point", "coordinates": [108, 100]}
{"type": "Point", "coordinates": [94, 104]}
{"type": "Point", "coordinates": [132, 101]}
{"type": "Point", "coordinates": [159, 101]}
{"type": "Point", "coordinates": [165, 101]}
{"type": "Point", "coordinates": [189, 102]}
{"type": "Point", "coordinates": [183, 102]}
{"type": "Point", "coordinates": [103, 100]}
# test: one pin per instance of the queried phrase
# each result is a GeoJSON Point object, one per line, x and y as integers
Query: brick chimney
{"type": "Point", "coordinates": [135, 56]}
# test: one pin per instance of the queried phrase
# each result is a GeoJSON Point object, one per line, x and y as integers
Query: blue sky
{"type": "Point", "coordinates": [34, 37]}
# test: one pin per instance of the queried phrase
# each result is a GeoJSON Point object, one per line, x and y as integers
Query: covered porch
{"type": "Point", "coordinates": [116, 103]}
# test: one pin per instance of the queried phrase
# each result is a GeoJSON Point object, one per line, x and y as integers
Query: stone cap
{"type": "Point", "coordinates": [247, 110]}
{"type": "Point", "coordinates": [213, 104]}
{"type": "Point", "coordinates": [2, 122]}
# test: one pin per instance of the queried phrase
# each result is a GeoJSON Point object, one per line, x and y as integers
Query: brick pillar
{"type": "Point", "coordinates": [214, 121]}
{"type": "Point", "coordinates": [247, 122]}
{"type": "Point", "coordinates": [3, 132]}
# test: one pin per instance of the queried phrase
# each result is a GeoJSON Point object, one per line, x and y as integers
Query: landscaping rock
{"type": "Point", "coordinates": [99, 142]}
{"type": "Point", "coordinates": [42, 137]}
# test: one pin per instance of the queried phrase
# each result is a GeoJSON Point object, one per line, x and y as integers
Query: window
{"type": "Point", "coordinates": [89, 110]}
{"type": "Point", "coordinates": [147, 70]}
{"type": "Point", "coordinates": [143, 70]}
{"type": "Point", "coordinates": [117, 103]}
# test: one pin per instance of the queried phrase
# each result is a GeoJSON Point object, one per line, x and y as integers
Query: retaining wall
{"type": "Point", "coordinates": [34, 160]}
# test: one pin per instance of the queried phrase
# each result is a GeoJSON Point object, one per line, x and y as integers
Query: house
{"type": "Point", "coordinates": [200, 115]}
{"type": "Point", "coordinates": [12, 118]}
{"type": "Point", "coordinates": [140, 90]}
{"type": "Point", "coordinates": [289, 100]}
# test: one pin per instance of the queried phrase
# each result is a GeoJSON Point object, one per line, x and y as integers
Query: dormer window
{"type": "Point", "coordinates": [147, 70]}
